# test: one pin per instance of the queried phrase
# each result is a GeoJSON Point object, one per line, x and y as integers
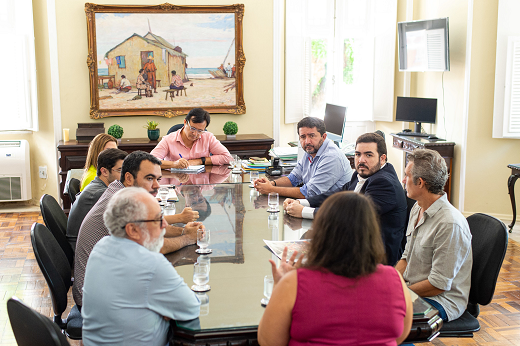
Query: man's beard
{"type": "Point", "coordinates": [370, 172]}
{"type": "Point", "coordinates": [155, 245]}
{"type": "Point", "coordinates": [313, 149]}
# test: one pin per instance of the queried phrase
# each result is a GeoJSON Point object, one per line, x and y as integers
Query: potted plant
{"type": "Point", "coordinates": [230, 129]}
{"type": "Point", "coordinates": [116, 131]}
{"type": "Point", "coordinates": [153, 131]}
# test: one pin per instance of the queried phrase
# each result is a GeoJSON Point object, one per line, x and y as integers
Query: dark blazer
{"type": "Point", "coordinates": [387, 193]}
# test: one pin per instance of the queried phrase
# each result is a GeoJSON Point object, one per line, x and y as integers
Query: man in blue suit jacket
{"type": "Point", "coordinates": [376, 178]}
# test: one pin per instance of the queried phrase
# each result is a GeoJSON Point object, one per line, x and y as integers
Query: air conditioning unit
{"type": "Point", "coordinates": [15, 171]}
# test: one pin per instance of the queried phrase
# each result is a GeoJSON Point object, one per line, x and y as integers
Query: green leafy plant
{"type": "Point", "coordinates": [115, 131]}
{"type": "Point", "coordinates": [151, 125]}
{"type": "Point", "coordinates": [230, 128]}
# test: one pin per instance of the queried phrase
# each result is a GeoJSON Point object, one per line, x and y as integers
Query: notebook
{"type": "Point", "coordinates": [190, 170]}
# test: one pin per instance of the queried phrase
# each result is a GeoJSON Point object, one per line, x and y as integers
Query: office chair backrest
{"type": "Point", "coordinates": [489, 245]}
{"type": "Point", "coordinates": [74, 186]}
{"type": "Point", "coordinates": [175, 128]}
{"type": "Point", "coordinates": [31, 328]}
{"type": "Point", "coordinates": [53, 264]}
{"type": "Point", "coordinates": [56, 222]}
{"type": "Point", "coordinates": [52, 213]}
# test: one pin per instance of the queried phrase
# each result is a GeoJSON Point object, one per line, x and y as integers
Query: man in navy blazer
{"type": "Point", "coordinates": [376, 178]}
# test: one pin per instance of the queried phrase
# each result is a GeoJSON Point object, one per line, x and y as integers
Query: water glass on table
{"type": "Point", "coordinates": [163, 193]}
{"type": "Point", "coordinates": [200, 277]}
{"type": "Point", "coordinates": [203, 241]}
{"type": "Point", "coordinates": [253, 175]}
{"type": "Point", "coordinates": [272, 201]}
{"type": "Point", "coordinates": [268, 289]}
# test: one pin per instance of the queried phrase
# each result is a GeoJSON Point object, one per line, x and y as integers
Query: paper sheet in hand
{"type": "Point", "coordinates": [293, 245]}
{"type": "Point", "coordinates": [189, 170]}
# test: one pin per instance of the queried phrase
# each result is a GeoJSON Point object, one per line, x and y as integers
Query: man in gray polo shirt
{"type": "Point", "coordinates": [436, 263]}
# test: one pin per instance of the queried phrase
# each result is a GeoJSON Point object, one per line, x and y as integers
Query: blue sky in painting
{"type": "Point", "coordinates": [205, 38]}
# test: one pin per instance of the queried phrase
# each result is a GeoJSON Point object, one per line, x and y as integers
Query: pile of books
{"type": "Point", "coordinates": [256, 164]}
{"type": "Point", "coordinates": [288, 155]}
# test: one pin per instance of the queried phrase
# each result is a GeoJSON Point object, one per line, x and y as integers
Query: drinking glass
{"type": "Point", "coordinates": [200, 277]}
{"type": "Point", "coordinates": [163, 194]}
{"type": "Point", "coordinates": [272, 201]}
{"type": "Point", "coordinates": [232, 163]}
{"type": "Point", "coordinates": [203, 241]}
{"type": "Point", "coordinates": [238, 164]}
{"type": "Point", "coordinates": [205, 259]}
{"type": "Point", "coordinates": [268, 289]}
{"type": "Point", "coordinates": [204, 303]}
{"type": "Point", "coordinates": [253, 175]}
{"type": "Point", "coordinates": [169, 209]}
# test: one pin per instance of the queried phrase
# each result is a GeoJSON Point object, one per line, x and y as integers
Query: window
{"type": "Point", "coordinates": [340, 52]}
{"type": "Point", "coordinates": [20, 111]}
{"type": "Point", "coordinates": [120, 59]}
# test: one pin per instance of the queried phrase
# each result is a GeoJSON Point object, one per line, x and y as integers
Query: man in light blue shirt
{"type": "Point", "coordinates": [131, 291]}
{"type": "Point", "coordinates": [323, 167]}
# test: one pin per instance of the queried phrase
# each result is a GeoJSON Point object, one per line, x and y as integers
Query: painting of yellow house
{"type": "Point", "coordinates": [128, 57]}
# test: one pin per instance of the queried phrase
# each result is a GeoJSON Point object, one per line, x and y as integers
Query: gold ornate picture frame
{"type": "Point", "coordinates": [165, 60]}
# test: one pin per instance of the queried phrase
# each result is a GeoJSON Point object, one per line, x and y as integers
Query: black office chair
{"type": "Point", "coordinates": [73, 190]}
{"type": "Point", "coordinates": [32, 328]}
{"type": "Point", "coordinates": [175, 128]}
{"type": "Point", "coordinates": [57, 272]}
{"type": "Point", "coordinates": [56, 221]}
{"type": "Point", "coordinates": [381, 133]}
{"type": "Point", "coordinates": [489, 245]}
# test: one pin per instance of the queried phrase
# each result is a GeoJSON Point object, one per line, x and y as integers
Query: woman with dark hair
{"type": "Point", "coordinates": [343, 294]}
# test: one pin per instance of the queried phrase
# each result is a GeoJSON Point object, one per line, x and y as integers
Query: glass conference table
{"type": "Point", "coordinates": [237, 218]}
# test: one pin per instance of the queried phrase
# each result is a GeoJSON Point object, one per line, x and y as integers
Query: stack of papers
{"type": "Point", "coordinates": [249, 167]}
{"type": "Point", "coordinates": [284, 153]}
{"type": "Point", "coordinates": [190, 170]}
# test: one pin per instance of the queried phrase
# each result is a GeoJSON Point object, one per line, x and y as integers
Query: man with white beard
{"type": "Point", "coordinates": [130, 290]}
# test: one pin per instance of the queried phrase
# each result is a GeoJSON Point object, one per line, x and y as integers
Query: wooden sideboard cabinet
{"type": "Point", "coordinates": [73, 155]}
{"type": "Point", "coordinates": [446, 149]}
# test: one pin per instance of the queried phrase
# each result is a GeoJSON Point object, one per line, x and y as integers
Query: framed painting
{"type": "Point", "coordinates": [165, 60]}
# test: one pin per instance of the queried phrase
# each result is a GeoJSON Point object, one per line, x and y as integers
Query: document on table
{"type": "Point", "coordinates": [189, 170]}
{"type": "Point", "coordinates": [277, 247]}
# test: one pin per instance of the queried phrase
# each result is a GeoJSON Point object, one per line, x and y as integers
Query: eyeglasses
{"type": "Point", "coordinates": [193, 129]}
{"type": "Point", "coordinates": [160, 219]}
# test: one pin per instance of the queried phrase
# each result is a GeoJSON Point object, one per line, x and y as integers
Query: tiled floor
{"type": "Point", "coordinates": [20, 276]}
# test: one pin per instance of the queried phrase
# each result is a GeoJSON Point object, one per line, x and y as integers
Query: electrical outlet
{"type": "Point", "coordinates": [42, 172]}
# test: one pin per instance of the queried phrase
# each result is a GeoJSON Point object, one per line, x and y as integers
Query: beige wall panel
{"type": "Point", "coordinates": [487, 157]}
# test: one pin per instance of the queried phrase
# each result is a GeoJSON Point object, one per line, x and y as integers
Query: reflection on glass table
{"type": "Point", "coordinates": [239, 263]}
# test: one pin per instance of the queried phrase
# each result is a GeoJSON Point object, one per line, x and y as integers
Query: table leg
{"type": "Point", "coordinates": [511, 186]}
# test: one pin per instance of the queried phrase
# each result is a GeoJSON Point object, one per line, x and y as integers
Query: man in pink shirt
{"type": "Point", "coordinates": [191, 145]}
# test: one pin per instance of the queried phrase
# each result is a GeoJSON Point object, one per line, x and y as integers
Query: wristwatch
{"type": "Point", "coordinates": [203, 159]}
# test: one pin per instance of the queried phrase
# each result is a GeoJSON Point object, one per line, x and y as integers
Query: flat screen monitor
{"type": "Point", "coordinates": [424, 45]}
{"type": "Point", "coordinates": [334, 121]}
{"type": "Point", "coordinates": [416, 109]}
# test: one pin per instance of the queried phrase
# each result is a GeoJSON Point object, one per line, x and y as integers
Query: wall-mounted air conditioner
{"type": "Point", "coordinates": [15, 171]}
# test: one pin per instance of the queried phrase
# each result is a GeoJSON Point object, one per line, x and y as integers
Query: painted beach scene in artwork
{"type": "Point", "coordinates": [150, 60]}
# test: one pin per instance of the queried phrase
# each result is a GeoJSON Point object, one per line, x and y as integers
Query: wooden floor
{"type": "Point", "coordinates": [20, 276]}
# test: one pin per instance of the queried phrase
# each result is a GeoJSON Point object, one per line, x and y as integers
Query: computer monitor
{"type": "Point", "coordinates": [416, 109]}
{"type": "Point", "coordinates": [334, 122]}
